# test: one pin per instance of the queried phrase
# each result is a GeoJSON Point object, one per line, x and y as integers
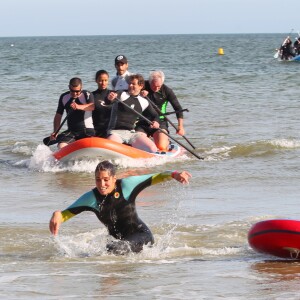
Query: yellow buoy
{"type": "Point", "coordinates": [221, 51]}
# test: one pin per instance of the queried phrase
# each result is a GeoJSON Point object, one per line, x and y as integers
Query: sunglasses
{"type": "Point", "coordinates": [74, 91]}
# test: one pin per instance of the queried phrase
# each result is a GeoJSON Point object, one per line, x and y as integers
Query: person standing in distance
{"type": "Point", "coordinates": [120, 81]}
{"type": "Point", "coordinates": [78, 104]}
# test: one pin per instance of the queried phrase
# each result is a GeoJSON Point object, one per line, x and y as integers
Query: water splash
{"type": "Point", "coordinates": [42, 160]}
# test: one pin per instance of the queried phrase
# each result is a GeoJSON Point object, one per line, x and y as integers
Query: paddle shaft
{"type": "Point", "coordinates": [149, 122]}
{"type": "Point", "coordinates": [175, 112]}
{"type": "Point", "coordinates": [168, 120]}
{"type": "Point", "coordinates": [48, 140]}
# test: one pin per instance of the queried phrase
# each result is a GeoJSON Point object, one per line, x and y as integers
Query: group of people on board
{"type": "Point", "coordinates": [102, 113]}
{"type": "Point", "coordinates": [114, 113]}
{"type": "Point", "coordinates": [288, 49]}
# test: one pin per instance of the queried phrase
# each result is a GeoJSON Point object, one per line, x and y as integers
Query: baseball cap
{"type": "Point", "coordinates": [121, 58]}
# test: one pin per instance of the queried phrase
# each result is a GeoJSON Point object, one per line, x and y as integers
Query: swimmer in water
{"type": "Point", "coordinates": [113, 202]}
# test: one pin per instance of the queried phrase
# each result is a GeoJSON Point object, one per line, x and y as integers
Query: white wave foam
{"type": "Point", "coordinates": [285, 143]}
{"type": "Point", "coordinates": [43, 160]}
{"type": "Point", "coordinates": [218, 153]}
{"type": "Point", "coordinates": [21, 148]}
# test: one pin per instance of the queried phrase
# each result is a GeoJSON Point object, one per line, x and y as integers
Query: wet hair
{"type": "Point", "coordinates": [157, 75]}
{"type": "Point", "coordinates": [100, 72]}
{"type": "Point", "coordinates": [75, 82]}
{"type": "Point", "coordinates": [139, 77]}
{"type": "Point", "coordinates": [106, 166]}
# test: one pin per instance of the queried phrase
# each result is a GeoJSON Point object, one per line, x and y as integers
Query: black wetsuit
{"type": "Point", "coordinates": [297, 46]}
{"type": "Point", "coordinates": [287, 51]}
{"type": "Point", "coordinates": [117, 211]}
{"type": "Point", "coordinates": [80, 123]}
{"type": "Point", "coordinates": [102, 111]}
{"type": "Point", "coordinates": [161, 99]}
{"type": "Point", "coordinates": [124, 118]}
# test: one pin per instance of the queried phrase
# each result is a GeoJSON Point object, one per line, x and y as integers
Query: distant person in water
{"type": "Point", "coordinates": [120, 81]}
{"type": "Point", "coordinates": [286, 50]}
{"type": "Point", "coordinates": [121, 127]}
{"type": "Point", "coordinates": [113, 202]}
{"type": "Point", "coordinates": [297, 46]}
{"type": "Point", "coordinates": [78, 104]}
{"type": "Point", "coordinates": [102, 111]}
{"type": "Point", "coordinates": [160, 95]}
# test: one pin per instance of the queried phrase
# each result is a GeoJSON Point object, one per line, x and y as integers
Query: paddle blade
{"type": "Point", "coordinates": [48, 142]}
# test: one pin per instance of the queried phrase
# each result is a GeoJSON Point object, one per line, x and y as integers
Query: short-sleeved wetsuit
{"type": "Point", "coordinates": [80, 123]}
{"type": "Point", "coordinates": [117, 211]}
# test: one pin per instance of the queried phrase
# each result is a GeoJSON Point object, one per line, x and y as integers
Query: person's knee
{"type": "Point", "coordinates": [115, 138]}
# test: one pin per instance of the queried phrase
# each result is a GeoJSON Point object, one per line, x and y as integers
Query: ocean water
{"type": "Point", "coordinates": [243, 119]}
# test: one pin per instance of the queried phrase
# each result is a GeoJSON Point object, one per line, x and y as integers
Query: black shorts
{"type": "Point", "coordinates": [71, 136]}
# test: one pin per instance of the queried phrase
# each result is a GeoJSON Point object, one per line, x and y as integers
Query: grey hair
{"type": "Point", "coordinates": [157, 75]}
{"type": "Point", "coordinates": [105, 165]}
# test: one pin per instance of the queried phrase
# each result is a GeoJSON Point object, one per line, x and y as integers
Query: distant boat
{"type": "Point", "coordinates": [295, 58]}
{"type": "Point", "coordinates": [288, 51]}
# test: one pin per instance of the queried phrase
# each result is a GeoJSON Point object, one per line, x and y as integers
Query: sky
{"type": "Point", "coordinates": [131, 17]}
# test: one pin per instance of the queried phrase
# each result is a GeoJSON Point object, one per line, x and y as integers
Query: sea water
{"type": "Point", "coordinates": [243, 119]}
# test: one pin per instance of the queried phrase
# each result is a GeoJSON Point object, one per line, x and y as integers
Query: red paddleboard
{"type": "Point", "coordinates": [276, 237]}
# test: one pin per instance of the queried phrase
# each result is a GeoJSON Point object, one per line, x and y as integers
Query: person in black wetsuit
{"type": "Point", "coordinates": [286, 50]}
{"type": "Point", "coordinates": [297, 46]}
{"type": "Point", "coordinates": [160, 94]}
{"type": "Point", "coordinates": [113, 202]}
{"type": "Point", "coordinates": [101, 113]}
{"type": "Point", "coordinates": [123, 118]}
{"type": "Point", "coordinates": [78, 104]}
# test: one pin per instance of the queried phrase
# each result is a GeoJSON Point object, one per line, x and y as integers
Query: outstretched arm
{"type": "Point", "coordinates": [182, 177]}
{"type": "Point", "coordinates": [133, 185]}
{"type": "Point", "coordinates": [55, 222]}
{"type": "Point", "coordinates": [87, 202]}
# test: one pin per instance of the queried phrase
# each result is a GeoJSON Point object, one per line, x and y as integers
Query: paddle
{"type": "Point", "coordinates": [175, 112]}
{"type": "Point", "coordinates": [149, 122]}
{"type": "Point", "coordinates": [168, 120]}
{"type": "Point", "coordinates": [47, 141]}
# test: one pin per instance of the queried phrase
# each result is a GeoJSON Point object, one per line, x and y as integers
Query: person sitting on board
{"type": "Point", "coordinates": [120, 81]}
{"type": "Point", "coordinates": [114, 203]}
{"type": "Point", "coordinates": [297, 46]}
{"type": "Point", "coordinates": [122, 120]}
{"type": "Point", "coordinates": [78, 104]}
{"type": "Point", "coordinates": [160, 95]}
{"type": "Point", "coordinates": [101, 113]}
{"type": "Point", "coordinates": [286, 50]}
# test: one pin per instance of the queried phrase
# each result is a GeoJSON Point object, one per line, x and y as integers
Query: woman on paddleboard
{"type": "Point", "coordinates": [113, 202]}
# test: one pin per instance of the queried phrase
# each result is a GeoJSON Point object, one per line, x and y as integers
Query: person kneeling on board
{"type": "Point", "coordinates": [113, 202]}
{"type": "Point", "coordinates": [79, 105]}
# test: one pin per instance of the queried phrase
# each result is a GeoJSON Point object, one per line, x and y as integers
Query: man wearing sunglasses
{"type": "Point", "coordinates": [78, 104]}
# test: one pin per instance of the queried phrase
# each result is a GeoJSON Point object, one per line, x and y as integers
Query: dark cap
{"type": "Point", "coordinates": [121, 58]}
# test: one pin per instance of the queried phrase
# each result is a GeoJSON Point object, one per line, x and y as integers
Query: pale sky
{"type": "Point", "coordinates": [116, 17]}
